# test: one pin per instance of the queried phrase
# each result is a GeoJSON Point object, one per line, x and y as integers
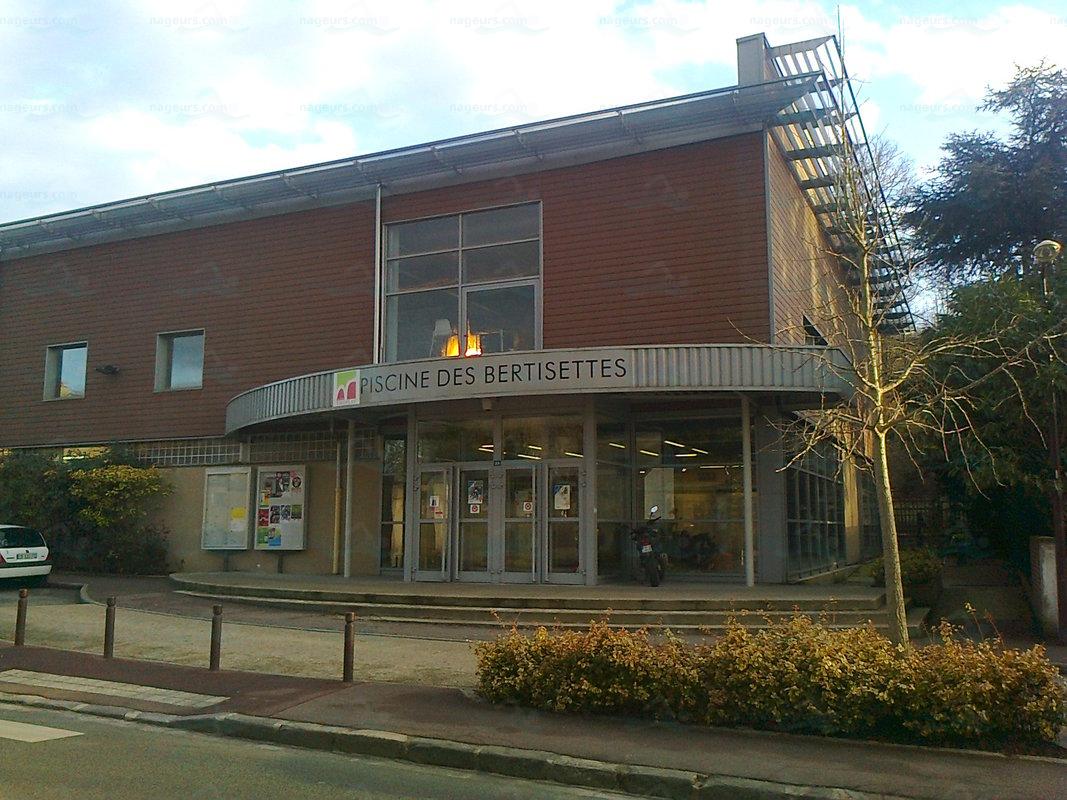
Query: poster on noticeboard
{"type": "Point", "coordinates": [281, 507]}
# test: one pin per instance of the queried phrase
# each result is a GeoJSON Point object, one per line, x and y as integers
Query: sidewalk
{"type": "Point", "coordinates": [458, 729]}
{"type": "Point", "coordinates": [56, 619]}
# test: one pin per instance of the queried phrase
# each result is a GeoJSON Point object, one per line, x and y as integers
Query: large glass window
{"type": "Point", "coordinates": [446, 441]}
{"type": "Point", "coordinates": [870, 527]}
{"type": "Point", "coordinates": [692, 470]}
{"type": "Point", "coordinates": [463, 285]}
{"type": "Point", "coordinates": [64, 371]}
{"type": "Point", "coordinates": [815, 510]}
{"type": "Point", "coordinates": [394, 481]}
{"type": "Point", "coordinates": [538, 438]}
{"type": "Point", "coordinates": [614, 518]}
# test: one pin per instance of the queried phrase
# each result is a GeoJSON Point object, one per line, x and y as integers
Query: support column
{"type": "Point", "coordinates": [411, 494]}
{"type": "Point", "coordinates": [772, 533]}
{"type": "Point", "coordinates": [350, 489]}
{"type": "Point", "coordinates": [338, 506]}
{"type": "Point", "coordinates": [589, 513]}
{"type": "Point", "coordinates": [746, 461]}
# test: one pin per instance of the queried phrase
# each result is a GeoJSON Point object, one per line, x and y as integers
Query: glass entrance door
{"type": "Point", "coordinates": [517, 535]}
{"type": "Point", "coordinates": [434, 522]}
{"type": "Point", "coordinates": [513, 523]}
{"type": "Point", "coordinates": [562, 506]}
{"type": "Point", "coordinates": [473, 546]}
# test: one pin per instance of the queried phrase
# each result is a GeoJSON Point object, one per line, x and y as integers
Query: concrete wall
{"type": "Point", "coordinates": [182, 515]}
{"type": "Point", "coordinates": [1043, 583]}
{"type": "Point", "coordinates": [366, 517]}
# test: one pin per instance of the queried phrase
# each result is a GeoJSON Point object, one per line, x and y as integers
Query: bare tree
{"type": "Point", "coordinates": [901, 388]}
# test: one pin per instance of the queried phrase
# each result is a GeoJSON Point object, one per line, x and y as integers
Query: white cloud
{"type": "Point", "coordinates": [951, 59]}
{"type": "Point", "coordinates": [135, 97]}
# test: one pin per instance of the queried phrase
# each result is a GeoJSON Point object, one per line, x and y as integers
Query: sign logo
{"type": "Point", "coordinates": [346, 388]}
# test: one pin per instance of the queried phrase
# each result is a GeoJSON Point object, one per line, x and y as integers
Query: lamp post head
{"type": "Point", "coordinates": [1047, 251]}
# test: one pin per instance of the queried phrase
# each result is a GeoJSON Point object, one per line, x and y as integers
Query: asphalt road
{"type": "Point", "coordinates": [115, 759]}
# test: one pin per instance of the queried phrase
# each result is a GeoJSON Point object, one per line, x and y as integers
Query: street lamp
{"type": "Point", "coordinates": [1045, 254]}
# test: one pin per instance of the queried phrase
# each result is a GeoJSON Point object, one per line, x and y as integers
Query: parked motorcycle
{"type": "Point", "coordinates": [650, 556]}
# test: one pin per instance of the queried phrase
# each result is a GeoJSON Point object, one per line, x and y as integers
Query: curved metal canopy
{"type": "Point", "coordinates": [800, 370]}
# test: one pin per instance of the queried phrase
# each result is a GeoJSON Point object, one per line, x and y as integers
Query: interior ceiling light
{"type": "Point", "coordinates": [698, 450]}
{"type": "Point", "coordinates": [534, 447]}
{"type": "Point", "coordinates": [616, 444]}
{"type": "Point", "coordinates": [569, 453]}
{"type": "Point", "coordinates": [527, 455]}
{"type": "Point", "coordinates": [674, 444]}
{"type": "Point", "coordinates": [685, 455]}
{"type": "Point", "coordinates": [649, 453]}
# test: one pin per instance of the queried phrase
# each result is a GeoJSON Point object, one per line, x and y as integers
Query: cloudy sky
{"type": "Point", "coordinates": [113, 99]}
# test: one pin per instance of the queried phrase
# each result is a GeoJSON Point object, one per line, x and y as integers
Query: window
{"type": "Point", "coordinates": [179, 360]}
{"type": "Point", "coordinates": [692, 470]}
{"type": "Point", "coordinates": [812, 335]}
{"type": "Point", "coordinates": [64, 371]}
{"type": "Point", "coordinates": [21, 537]}
{"type": "Point", "coordinates": [463, 285]}
{"type": "Point", "coordinates": [815, 510]}
{"type": "Point", "coordinates": [394, 482]}
{"type": "Point", "coordinates": [870, 524]}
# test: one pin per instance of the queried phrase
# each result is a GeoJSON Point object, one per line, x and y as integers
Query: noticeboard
{"type": "Point", "coordinates": [281, 507]}
{"type": "Point", "coordinates": [227, 491]}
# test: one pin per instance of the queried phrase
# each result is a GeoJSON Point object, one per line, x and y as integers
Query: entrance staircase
{"type": "Point", "coordinates": [689, 609]}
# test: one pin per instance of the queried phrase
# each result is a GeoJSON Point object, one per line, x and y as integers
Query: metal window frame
{"type": "Point", "coordinates": [165, 359]}
{"type": "Point", "coordinates": [53, 370]}
{"type": "Point", "coordinates": [460, 286]}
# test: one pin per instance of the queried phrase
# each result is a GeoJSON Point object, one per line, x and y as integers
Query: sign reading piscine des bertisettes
{"type": "Point", "coordinates": [484, 376]}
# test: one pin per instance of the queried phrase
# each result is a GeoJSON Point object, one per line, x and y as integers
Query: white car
{"type": "Point", "coordinates": [24, 555]}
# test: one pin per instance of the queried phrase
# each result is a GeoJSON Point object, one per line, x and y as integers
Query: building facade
{"type": "Point", "coordinates": [481, 359]}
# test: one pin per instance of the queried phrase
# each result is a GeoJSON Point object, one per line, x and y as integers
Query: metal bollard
{"type": "Point", "coordinates": [216, 638]}
{"type": "Point", "coordinates": [350, 646]}
{"type": "Point", "coordinates": [20, 618]}
{"type": "Point", "coordinates": [109, 628]}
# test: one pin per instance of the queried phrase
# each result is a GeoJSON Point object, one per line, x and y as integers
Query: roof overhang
{"type": "Point", "coordinates": [817, 372]}
{"type": "Point", "coordinates": [582, 138]}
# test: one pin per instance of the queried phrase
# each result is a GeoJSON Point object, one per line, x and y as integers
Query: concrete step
{"type": "Point", "coordinates": [550, 598]}
{"type": "Point", "coordinates": [525, 617]}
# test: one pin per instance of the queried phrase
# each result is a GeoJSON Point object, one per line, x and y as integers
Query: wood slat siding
{"type": "Point", "coordinates": [806, 278]}
{"type": "Point", "coordinates": [667, 247]}
{"type": "Point", "coordinates": [276, 297]}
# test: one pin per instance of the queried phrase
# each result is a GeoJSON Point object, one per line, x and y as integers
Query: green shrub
{"type": "Point", "coordinates": [918, 566]}
{"type": "Point", "coordinates": [796, 675]}
{"type": "Point", "coordinates": [962, 691]}
{"type": "Point", "coordinates": [93, 511]}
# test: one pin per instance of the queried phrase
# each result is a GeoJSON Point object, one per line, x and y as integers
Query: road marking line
{"type": "Point", "coordinates": [24, 732]}
{"type": "Point", "coordinates": [134, 691]}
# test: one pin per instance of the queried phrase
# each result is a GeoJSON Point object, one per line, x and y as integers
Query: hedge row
{"type": "Point", "coordinates": [793, 676]}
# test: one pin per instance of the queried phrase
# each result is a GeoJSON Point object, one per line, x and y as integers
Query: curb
{"type": "Point", "coordinates": [538, 765]}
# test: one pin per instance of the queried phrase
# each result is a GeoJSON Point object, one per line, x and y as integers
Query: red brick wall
{"type": "Point", "coordinates": [663, 247]}
{"type": "Point", "coordinates": [277, 297]}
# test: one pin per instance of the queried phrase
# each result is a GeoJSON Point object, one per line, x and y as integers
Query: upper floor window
{"type": "Point", "coordinates": [179, 360]}
{"type": "Point", "coordinates": [812, 335]}
{"type": "Point", "coordinates": [466, 284]}
{"type": "Point", "coordinates": [64, 371]}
